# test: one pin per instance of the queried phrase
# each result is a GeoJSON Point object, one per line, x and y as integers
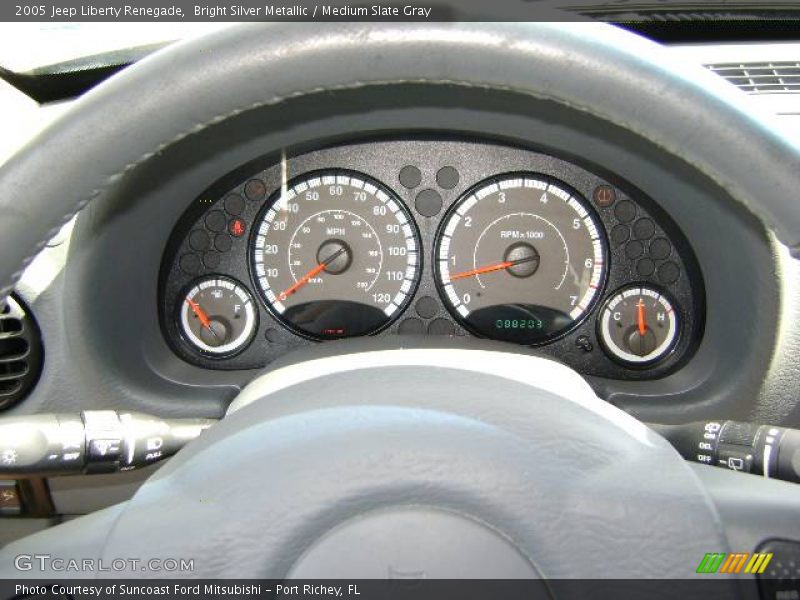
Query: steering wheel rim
{"type": "Point", "coordinates": [592, 68]}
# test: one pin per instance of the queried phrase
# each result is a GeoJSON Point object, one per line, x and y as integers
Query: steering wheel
{"type": "Point", "coordinates": [499, 464]}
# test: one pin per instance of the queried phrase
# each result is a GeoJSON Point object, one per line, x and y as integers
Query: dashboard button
{"type": "Point", "coordinates": [428, 203]}
{"type": "Point", "coordinates": [660, 248]}
{"type": "Point", "coordinates": [447, 178]}
{"type": "Point", "coordinates": [211, 260]}
{"type": "Point", "coordinates": [634, 250]}
{"type": "Point", "coordinates": [625, 211]}
{"type": "Point", "coordinates": [411, 326]}
{"type": "Point", "coordinates": [234, 204]}
{"type": "Point", "coordinates": [644, 229]}
{"type": "Point", "coordinates": [223, 242]}
{"type": "Point", "coordinates": [441, 327]}
{"type": "Point", "coordinates": [199, 240]}
{"type": "Point", "coordinates": [190, 264]}
{"type": "Point", "coordinates": [427, 307]}
{"type": "Point", "coordinates": [216, 221]}
{"type": "Point", "coordinates": [620, 234]}
{"type": "Point", "coordinates": [645, 267]}
{"type": "Point", "coordinates": [105, 449]}
{"type": "Point", "coordinates": [410, 177]}
{"type": "Point", "coordinates": [255, 189]}
{"type": "Point", "coordinates": [669, 272]}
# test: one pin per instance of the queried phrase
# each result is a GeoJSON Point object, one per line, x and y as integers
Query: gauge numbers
{"type": "Point", "coordinates": [335, 255]}
{"type": "Point", "coordinates": [520, 258]}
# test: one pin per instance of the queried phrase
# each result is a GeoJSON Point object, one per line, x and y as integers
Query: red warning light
{"type": "Point", "coordinates": [236, 227]}
{"type": "Point", "coordinates": [604, 195]}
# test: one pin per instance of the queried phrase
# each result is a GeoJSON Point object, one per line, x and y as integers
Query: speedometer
{"type": "Point", "coordinates": [335, 254]}
{"type": "Point", "coordinates": [520, 258]}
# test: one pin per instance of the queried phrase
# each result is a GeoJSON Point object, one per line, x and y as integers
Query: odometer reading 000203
{"type": "Point", "coordinates": [520, 258]}
{"type": "Point", "coordinates": [335, 255]}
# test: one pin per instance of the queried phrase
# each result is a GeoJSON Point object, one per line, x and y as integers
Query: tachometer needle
{"type": "Point", "coordinates": [641, 318]}
{"type": "Point", "coordinates": [496, 267]}
{"type": "Point", "coordinates": [310, 275]}
{"type": "Point", "coordinates": [201, 315]}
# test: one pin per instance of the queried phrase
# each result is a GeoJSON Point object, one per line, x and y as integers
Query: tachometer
{"type": "Point", "coordinates": [520, 258]}
{"type": "Point", "coordinates": [336, 254]}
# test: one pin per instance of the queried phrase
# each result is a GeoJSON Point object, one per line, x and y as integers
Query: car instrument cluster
{"type": "Point", "coordinates": [431, 237]}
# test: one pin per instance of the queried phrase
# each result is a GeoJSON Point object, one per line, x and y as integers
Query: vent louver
{"type": "Point", "coordinates": [21, 352]}
{"type": "Point", "coordinates": [761, 78]}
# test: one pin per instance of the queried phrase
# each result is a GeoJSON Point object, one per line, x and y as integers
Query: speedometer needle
{"type": "Point", "coordinates": [496, 267]}
{"type": "Point", "coordinates": [310, 275]}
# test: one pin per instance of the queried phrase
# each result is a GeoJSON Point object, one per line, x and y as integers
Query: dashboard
{"type": "Point", "coordinates": [277, 248]}
{"type": "Point", "coordinates": [435, 236]}
{"type": "Point", "coordinates": [111, 292]}
{"type": "Point", "coordinates": [412, 217]}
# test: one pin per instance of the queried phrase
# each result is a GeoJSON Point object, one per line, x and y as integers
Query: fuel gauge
{"type": "Point", "coordinates": [639, 325]}
{"type": "Point", "coordinates": [217, 316]}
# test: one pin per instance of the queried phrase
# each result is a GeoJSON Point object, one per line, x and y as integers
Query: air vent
{"type": "Point", "coordinates": [21, 352]}
{"type": "Point", "coordinates": [761, 78]}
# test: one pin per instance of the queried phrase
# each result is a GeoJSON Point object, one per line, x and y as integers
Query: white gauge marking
{"type": "Point", "coordinates": [316, 216]}
{"type": "Point", "coordinates": [521, 214]}
{"type": "Point", "coordinates": [247, 306]}
{"type": "Point", "coordinates": [383, 251]}
{"type": "Point", "coordinates": [670, 336]}
{"type": "Point", "coordinates": [459, 219]}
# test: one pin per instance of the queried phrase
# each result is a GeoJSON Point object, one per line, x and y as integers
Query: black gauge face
{"type": "Point", "coordinates": [217, 316]}
{"type": "Point", "coordinates": [520, 258]}
{"type": "Point", "coordinates": [336, 255]}
{"type": "Point", "coordinates": [639, 325]}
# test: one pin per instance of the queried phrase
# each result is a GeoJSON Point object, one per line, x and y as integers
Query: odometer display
{"type": "Point", "coordinates": [335, 255]}
{"type": "Point", "coordinates": [520, 258]}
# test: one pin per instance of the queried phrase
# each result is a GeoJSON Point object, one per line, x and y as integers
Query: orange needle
{"type": "Point", "coordinates": [642, 323]}
{"type": "Point", "coordinates": [201, 314]}
{"type": "Point", "coordinates": [311, 274]}
{"type": "Point", "coordinates": [489, 269]}
{"type": "Point", "coordinates": [302, 281]}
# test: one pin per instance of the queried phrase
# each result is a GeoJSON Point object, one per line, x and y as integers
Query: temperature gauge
{"type": "Point", "coordinates": [217, 316]}
{"type": "Point", "coordinates": [638, 325]}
